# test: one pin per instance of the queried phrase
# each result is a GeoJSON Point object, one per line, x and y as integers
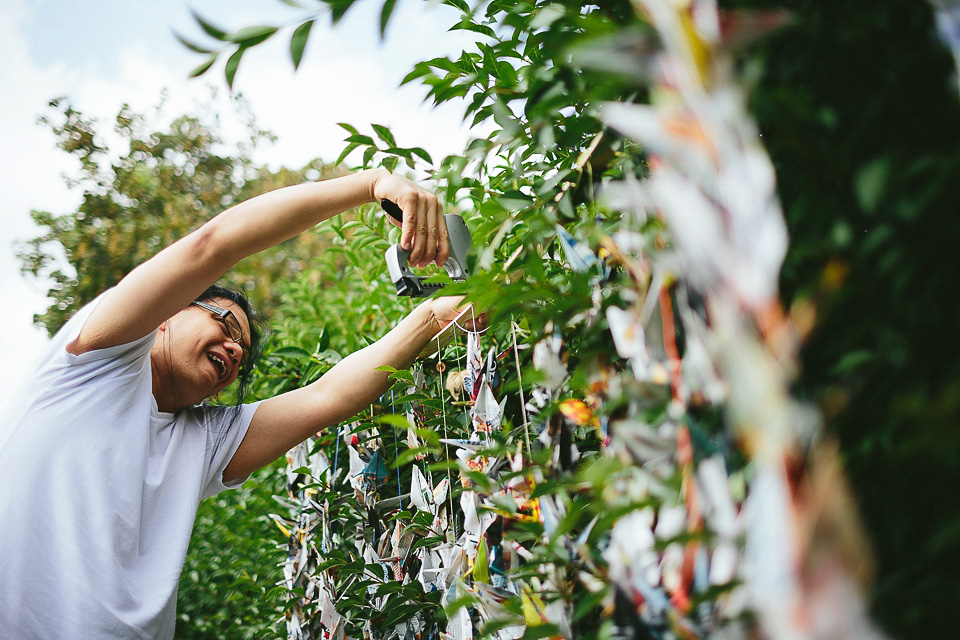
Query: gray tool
{"type": "Point", "coordinates": [410, 284]}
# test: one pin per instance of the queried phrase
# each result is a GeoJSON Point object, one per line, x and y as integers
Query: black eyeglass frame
{"type": "Point", "coordinates": [222, 315]}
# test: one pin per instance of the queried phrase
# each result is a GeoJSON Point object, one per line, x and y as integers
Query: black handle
{"type": "Point", "coordinates": [392, 210]}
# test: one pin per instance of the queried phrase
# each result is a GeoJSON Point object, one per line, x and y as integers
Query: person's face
{"type": "Point", "coordinates": [204, 349]}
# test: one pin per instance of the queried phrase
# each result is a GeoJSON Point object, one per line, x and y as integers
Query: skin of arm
{"type": "Point", "coordinates": [351, 385]}
{"type": "Point", "coordinates": [168, 282]}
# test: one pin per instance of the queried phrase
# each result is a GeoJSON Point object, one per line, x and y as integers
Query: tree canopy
{"type": "Point", "coordinates": [150, 188]}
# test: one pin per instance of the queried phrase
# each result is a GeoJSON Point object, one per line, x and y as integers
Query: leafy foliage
{"type": "Point", "coordinates": [845, 97]}
{"type": "Point", "coordinates": [860, 114]}
{"type": "Point", "coordinates": [539, 167]}
{"type": "Point", "coordinates": [139, 195]}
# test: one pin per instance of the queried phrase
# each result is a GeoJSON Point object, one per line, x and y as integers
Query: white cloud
{"type": "Point", "coordinates": [29, 178]}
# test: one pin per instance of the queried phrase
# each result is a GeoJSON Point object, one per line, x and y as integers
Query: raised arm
{"type": "Point", "coordinates": [168, 282]}
{"type": "Point", "coordinates": [351, 385]}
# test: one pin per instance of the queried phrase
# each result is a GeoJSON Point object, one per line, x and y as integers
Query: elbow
{"type": "Point", "coordinates": [210, 245]}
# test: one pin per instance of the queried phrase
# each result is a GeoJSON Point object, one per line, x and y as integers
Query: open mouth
{"type": "Point", "coordinates": [219, 364]}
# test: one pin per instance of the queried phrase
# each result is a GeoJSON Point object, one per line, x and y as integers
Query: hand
{"type": "Point", "coordinates": [424, 232]}
{"type": "Point", "coordinates": [446, 309]}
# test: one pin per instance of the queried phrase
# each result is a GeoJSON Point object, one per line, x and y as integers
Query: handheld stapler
{"type": "Point", "coordinates": [410, 284]}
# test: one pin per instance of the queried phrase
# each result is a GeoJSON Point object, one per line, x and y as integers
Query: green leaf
{"type": "Point", "coordinates": [395, 420]}
{"type": "Point", "coordinates": [514, 200]}
{"type": "Point", "coordinates": [252, 36]}
{"type": "Point", "coordinates": [469, 25]}
{"type": "Point", "coordinates": [339, 9]}
{"type": "Point", "coordinates": [384, 134]}
{"type": "Point", "coordinates": [233, 63]}
{"type": "Point", "coordinates": [202, 68]}
{"type": "Point", "coordinates": [368, 154]}
{"type": "Point", "coordinates": [323, 341]}
{"type": "Point", "coordinates": [208, 27]}
{"type": "Point", "coordinates": [385, 13]}
{"type": "Point", "coordinates": [291, 352]}
{"type": "Point", "coordinates": [192, 45]}
{"type": "Point", "coordinates": [410, 455]}
{"type": "Point", "coordinates": [346, 151]}
{"type": "Point", "coordinates": [853, 360]}
{"type": "Point", "coordinates": [426, 542]}
{"type": "Point", "coordinates": [547, 16]}
{"type": "Point", "coordinates": [360, 138]}
{"type": "Point", "coordinates": [399, 151]}
{"type": "Point", "coordinates": [419, 70]}
{"type": "Point", "coordinates": [422, 153]}
{"type": "Point", "coordinates": [299, 41]}
{"type": "Point", "coordinates": [871, 182]}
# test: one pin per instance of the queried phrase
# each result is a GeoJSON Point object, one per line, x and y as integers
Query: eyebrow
{"type": "Point", "coordinates": [222, 317]}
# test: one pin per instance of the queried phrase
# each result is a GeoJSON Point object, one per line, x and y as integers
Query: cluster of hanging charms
{"type": "Point", "coordinates": [769, 545]}
{"type": "Point", "coordinates": [470, 556]}
{"type": "Point", "coordinates": [481, 556]}
{"type": "Point", "coordinates": [312, 611]}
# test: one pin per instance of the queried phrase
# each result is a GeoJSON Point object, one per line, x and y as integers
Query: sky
{"type": "Point", "coordinates": [103, 53]}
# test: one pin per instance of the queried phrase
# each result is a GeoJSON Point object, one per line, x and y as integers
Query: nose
{"type": "Point", "coordinates": [234, 351]}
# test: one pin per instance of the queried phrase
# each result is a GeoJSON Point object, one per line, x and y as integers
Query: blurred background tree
{"type": "Point", "coordinates": [858, 106]}
{"type": "Point", "coordinates": [143, 190]}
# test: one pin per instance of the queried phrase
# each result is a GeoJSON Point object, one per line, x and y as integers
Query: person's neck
{"type": "Point", "coordinates": [160, 384]}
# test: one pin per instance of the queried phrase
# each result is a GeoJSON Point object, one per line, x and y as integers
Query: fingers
{"type": "Point", "coordinates": [424, 230]}
{"type": "Point", "coordinates": [410, 219]}
{"type": "Point", "coordinates": [421, 229]}
{"type": "Point", "coordinates": [443, 240]}
{"type": "Point", "coordinates": [447, 309]}
{"type": "Point", "coordinates": [474, 322]}
{"type": "Point", "coordinates": [429, 231]}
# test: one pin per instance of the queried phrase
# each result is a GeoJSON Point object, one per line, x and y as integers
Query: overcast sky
{"type": "Point", "coordinates": [102, 54]}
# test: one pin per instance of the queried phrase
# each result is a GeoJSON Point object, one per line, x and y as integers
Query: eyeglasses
{"type": "Point", "coordinates": [232, 325]}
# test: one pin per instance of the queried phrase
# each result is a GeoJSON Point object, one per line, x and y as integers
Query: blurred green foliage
{"type": "Point", "coordinates": [859, 109]}
{"type": "Point", "coordinates": [154, 184]}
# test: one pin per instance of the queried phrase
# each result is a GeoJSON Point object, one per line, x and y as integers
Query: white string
{"type": "Point", "coordinates": [473, 319]}
{"type": "Point", "coordinates": [523, 402]}
{"type": "Point", "coordinates": [443, 411]}
{"type": "Point", "coordinates": [464, 330]}
{"type": "Point", "coordinates": [461, 354]}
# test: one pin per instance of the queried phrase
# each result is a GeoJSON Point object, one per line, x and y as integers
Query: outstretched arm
{"type": "Point", "coordinates": [351, 385]}
{"type": "Point", "coordinates": [168, 282]}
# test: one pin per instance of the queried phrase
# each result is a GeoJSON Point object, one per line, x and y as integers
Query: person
{"type": "Point", "coordinates": [107, 451]}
